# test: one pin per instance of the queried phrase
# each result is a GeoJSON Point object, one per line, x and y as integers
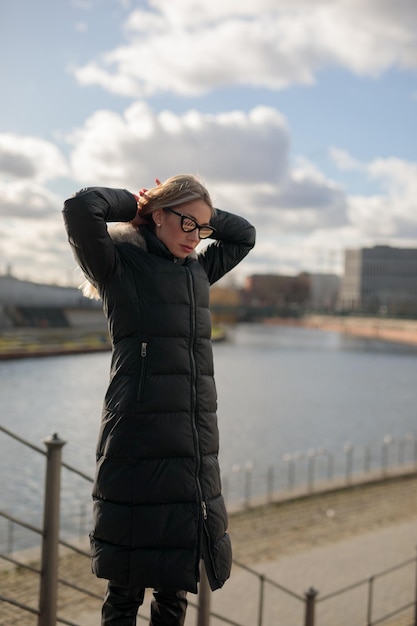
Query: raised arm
{"type": "Point", "coordinates": [85, 216]}
{"type": "Point", "coordinates": [234, 238]}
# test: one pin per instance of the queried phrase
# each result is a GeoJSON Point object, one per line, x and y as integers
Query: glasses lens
{"type": "Point", "coordinates": [188, 224]}
{"type": "Point", "coordinates": [205, 231]}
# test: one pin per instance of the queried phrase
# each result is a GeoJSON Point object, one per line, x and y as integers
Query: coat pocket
{"type": "Point", "coordinates": [222, 555]}
{"type": "Point", "coordinates": [143, 366]}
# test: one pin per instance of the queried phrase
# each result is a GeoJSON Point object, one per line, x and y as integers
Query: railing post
{"type": "Point", "coordinates": [348, 448]}
{"type": "Point", "coordinates": [248, 483]}
{"type": "Point", "coordinates": [204, 596]}
{"type": "Point", "coordinates": [10, 528]}
{"type": "Point", "coordinates": [387, 441]}
{"type": "Point", "coordinates": [270, 484]}
{"type": "Point", "coordinates": [330, 466]}
{"type": "Point", "coordinates": [49, 565]}
{"type": "Point", "coordinates": [370, 600]}
{"type": "Point", "coordinates": [415, 600]}
{"type": "Point", "coordinates": [311, 466]}
{"type": "Point", "coordinates": [311, 595]}
{"type": "Point", "coordinates": [82, 524]}
{"type": "Point", "coordinates": [367, 460]}
{"type": "Point", "coordinates": [261, 599]}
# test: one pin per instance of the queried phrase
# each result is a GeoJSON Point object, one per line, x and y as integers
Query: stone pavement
{"type": "Point", "coordinates": [327, 568]}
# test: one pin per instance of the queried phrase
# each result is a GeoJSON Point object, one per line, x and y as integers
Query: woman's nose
{"type": "Point", "coordinates": [194, 235]}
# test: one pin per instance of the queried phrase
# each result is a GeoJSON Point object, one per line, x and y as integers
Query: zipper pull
{"type": "Point", "coordinates": [143, 349]}
{"type": "Point", "coordinates": [204, 507]}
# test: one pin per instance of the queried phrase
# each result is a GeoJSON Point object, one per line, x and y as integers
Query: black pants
{"type": "Point", "coordinates": [120, 607]}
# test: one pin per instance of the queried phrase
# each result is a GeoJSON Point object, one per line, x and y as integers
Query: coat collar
{"type": "Point", "coordinates": [143, 238]}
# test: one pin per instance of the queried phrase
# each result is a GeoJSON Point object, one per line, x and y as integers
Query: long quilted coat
{"type": "Point", "coordinates": [157, 497]}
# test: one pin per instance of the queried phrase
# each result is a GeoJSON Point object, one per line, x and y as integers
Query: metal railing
{"type": "Point", "coordinates": [370, 582]}
{"type": "Point", "coordinates": [46, 610]}
{"type": "Point", "coordinates": [249, 484]}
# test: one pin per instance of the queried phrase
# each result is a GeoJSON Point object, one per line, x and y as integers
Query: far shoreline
{"type": "Point", "coordinates": [38, 342]}
{"type": "Point", "coordinates": [35, 342]}
{"type": "Point", "coordinates": [386, 329]}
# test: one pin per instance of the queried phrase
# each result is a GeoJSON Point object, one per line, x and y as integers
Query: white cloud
{"type": "Point", "coordinates": [343, 160]}
{"type": "Point", "coordinates": [27, 164]}
{"type": "Point", "coordinates": [135, 147]}
{"type": "Point", "coordinates": [37, 249]}
{"type": "Point", "coordinates": [393, 212]}
{"type": "Point", "coordinates": [372, 216]}
{"type": "Point", "coordinates": [243, 157]}
{"type": "Point", "coordinates": [191, 47]}
{"type": "Point", "coordinates": [398, 182]}
{"type": "Point", "coordinates": [30, 158]}
{"type": "Point", "coordinates": [27, 199]}
{"type": "Point", "coordinates": [293, 241]}
{"type": "Point", "coordinates": [245, 161]}
{"type": "Point", "coordinates": [32, 240]}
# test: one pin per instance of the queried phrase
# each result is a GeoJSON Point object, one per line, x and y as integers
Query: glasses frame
{"type": "Point", "coordinates": [197, 225]}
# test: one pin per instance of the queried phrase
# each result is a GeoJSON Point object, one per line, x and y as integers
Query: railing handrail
{"type": "Point", "coordinates": [27, 443]}
{"type": "Point", "coordinates": [269, 580]}
{"type": "Point", "coordinates": [365, 581]}
{"type": "Point", "coordinates": [74, 470]}
{"type": "Point", "coordinates": [20, 605]}
{"type": "Point", "coordinates": [310, 480]}
{"type": "Point", "coordinates": [21, 440]}
{"type": "Point", "coordinates": [15, 520]}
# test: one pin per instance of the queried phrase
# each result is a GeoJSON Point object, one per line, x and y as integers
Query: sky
{"type": "Point", "coordinates": [300, 115]}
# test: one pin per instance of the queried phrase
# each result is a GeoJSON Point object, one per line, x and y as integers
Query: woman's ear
{"type": "Point", "coordinates": [157, 216]}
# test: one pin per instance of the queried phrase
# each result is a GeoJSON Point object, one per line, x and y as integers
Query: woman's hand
{"type": "Point", "coordinates": [138, 219]}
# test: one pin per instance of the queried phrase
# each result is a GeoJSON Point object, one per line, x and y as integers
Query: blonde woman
{"type": "Point", "coordinates": [158, 507]}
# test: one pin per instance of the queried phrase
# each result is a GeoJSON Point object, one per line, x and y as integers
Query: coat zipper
{"type": "Point", "coordinates": [203, 503]}
{"type": "Point", "coordinates": [143, 355]}
{"type": "Point", "coordinates": [193, 389]}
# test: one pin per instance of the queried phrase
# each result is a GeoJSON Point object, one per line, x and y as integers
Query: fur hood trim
{"type": "Point", "coordinates": [120, 232]}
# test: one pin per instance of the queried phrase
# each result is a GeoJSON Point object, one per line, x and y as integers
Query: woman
{"type": "Point", "coordinates": [158, 507]}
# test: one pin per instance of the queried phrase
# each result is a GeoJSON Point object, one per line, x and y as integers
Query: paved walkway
{"type": "Point", "coordinates": [327, 569]}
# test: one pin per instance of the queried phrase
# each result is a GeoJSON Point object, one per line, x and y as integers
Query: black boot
{"type": "Point", "coordinates": [120, 606]}
{"type": "Point", "coordinates": [168, 608]}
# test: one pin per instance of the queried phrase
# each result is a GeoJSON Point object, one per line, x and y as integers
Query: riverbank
{"type": "Point", "coordinates": [24, 343]}
{"type": "Point", "coordinates": [385, 329]}
{"type": "Point", "coordinates": [41, 342]}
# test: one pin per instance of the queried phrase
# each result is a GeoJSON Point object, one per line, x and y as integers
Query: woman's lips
{"type": "Point", "coordinates": [187, 249]}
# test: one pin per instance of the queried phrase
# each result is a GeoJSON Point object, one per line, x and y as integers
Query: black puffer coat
{"type": "Point", "coordinates": [157, 494]}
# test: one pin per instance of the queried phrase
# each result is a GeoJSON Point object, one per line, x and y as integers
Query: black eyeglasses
{"type": "Point", "coordinates": [188, 224]}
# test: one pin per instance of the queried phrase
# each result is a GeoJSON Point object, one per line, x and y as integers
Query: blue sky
{"type": "Point", "coordinates": [299, 114]}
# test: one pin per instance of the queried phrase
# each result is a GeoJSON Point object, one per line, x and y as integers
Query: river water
{"type": "Point", "coordinates": [280, 389]}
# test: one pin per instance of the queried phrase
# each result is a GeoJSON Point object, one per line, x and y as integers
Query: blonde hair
{"type": "Point", "coordinates": [175, 191]}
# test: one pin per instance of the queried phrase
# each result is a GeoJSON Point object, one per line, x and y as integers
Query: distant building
{"type": "Point", "coordinates": [23, 303]}
{"type": "Point", "coordinates": [380, 280]}
{"type": "Point", "coordinates": [276, 294]}
{"type": "Point", "coordinates": [14, 291]}
{"type": "Point", "coordinates": [324, 292]}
